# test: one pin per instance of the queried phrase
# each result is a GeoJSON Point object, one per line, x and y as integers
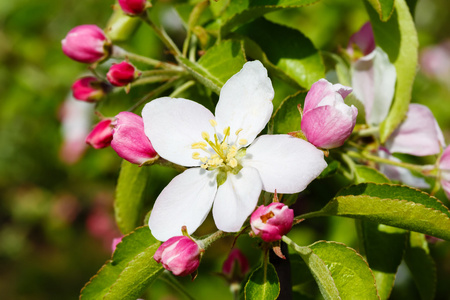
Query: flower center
{"type": "Point", "coordinates": [225, 153]}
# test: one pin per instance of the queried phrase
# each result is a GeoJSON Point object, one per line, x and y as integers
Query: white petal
{"type": "Point", "coordinates": [373, 82]}
{"type": "Point", "coordinates": [185, 201]}
{"type": "Point", "coordinates": [173, 124]}
{"type": "Point", "coordinates": [285, 163]}
{"type": "Point", "coordinates": [245, 102]}
{"type": "Point", "coordinates": [236, 199]}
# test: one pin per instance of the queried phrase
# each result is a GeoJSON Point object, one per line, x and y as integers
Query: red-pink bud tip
{"type": "Point", "coordinates": [122, 74]}
{"type": "Point", "coordinates": [101, 136]}
{"type": "Point", "coordinates": [271, 222]}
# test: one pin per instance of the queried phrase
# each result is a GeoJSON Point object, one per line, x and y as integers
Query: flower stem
{"type": "Point", "coordinates": [162, 35]}
{"type": "Point", "coordinates": [421, 169]}
{"type": "Point", "coordinates": [174, 283]}
{"type": "Point", "coordinates": [121, 53]}
{"type": "Point", "coordinates": [154, 93]}
{"type": "Point", "coordinates": [204, 243]}
{"type": "Point", "coordinates": [182, 88]}
{"type": "Point", "coordinates": [368, 131]}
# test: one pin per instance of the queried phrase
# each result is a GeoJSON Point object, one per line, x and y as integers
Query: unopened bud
{"type": "Point", "coordinates": [122, 74]}
{"type": "Point", "coordinates": [271, 222]}
{"type": "Point", "coordinates": [133, 7]}
{"type": "Point", "coordinates": [101, 136]}
{"type": "Point", "coordinates": [89, 89]}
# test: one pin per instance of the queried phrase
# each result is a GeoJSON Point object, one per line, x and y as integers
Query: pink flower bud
{"type": "Point", "coordinates": [363, 40]}
{"type": "Point", "coordinates": [129, 139]}
{"type": "Point", "coordinates": [101, 136]}
{"type": "Point", "coordinates": [180, 255]}
{"type": "Point", "coordinates": [327, 121]}
{"type": "Point", "coordinates": [86, 44]}
{"type": "Point", "coordinates": [236, 264]}
{"type": "Point", "coordinates": [89, 89]}
{"type": "Point", "coordinates": [133, 7]}
{"type": "Point", "coordinates": [271, 222]}
{"type": "Point", "coordinates": [115, 242]}
{"type": "Point", "coordinates": [122, 74]}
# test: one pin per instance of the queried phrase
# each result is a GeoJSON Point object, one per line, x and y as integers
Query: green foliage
{"type": "Point", "coordinates": [263, 283]}
{"type": "Point", "coordinates": [124, 276]}
{"type": "Point", "coordinates": [398, 38]}
{"type": "Point", "coordinates": [384, 8]}
{"type": "Point", "coordinates": [287, 117]}
{"type": "Point", "coordinates": [394, 205]}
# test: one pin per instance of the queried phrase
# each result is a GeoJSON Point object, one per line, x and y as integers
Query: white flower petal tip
{"type": "Point", "coordinates": [285, 163]}
{"type": "Point", "coordinates": [245, 102]}
{"type": "Point", "coordinates": [185, 201]}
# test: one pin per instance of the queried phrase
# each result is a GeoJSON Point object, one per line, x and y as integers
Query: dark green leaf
{"type": "Point", "coordinates": [217, 65]}
{"type": "Point", "coordinates": [294, 54]}
{"type": "Point", "coordinates": [331, 169]}
{"type": "Point", "coordinates": [398, 38]}
{"type": "Point", "coordinates": [394, 205]}
{"type": "Point", "coordinates": [263, 283]}
{"type": "Point", "coordinates": [131, 269]}
{"type": "Point", "coordinates": [421, 265]}
{"type": "Point", "coordinates": [130, 195]}
{"type": "Point", "coordinates": [384, 8]}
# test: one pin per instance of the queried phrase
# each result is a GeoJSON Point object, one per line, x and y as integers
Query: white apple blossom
{"type": "Point", "coordinates": [230, 166]}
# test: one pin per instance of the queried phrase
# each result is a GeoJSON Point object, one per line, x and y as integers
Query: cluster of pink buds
{"type": "Point", "coordinates": [271, 222]}
{"type": "Point", "coordinates": [180, 254]}
{"type": "Point", "coordinates": [327, 121]}
{"type": "Point", "coordinates": [129, 139]}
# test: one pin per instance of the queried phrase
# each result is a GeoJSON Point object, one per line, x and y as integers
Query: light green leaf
{"type": "Point", "coordinates": [394, 205]}
{"type": "Point", "coordinates": [287, 117]}
{"type": "Point", "coordinates": [130, 195]}
{"type": "Point", "coordinates": [384, 8]}
{"type": "Point", "coordinates": [350, 272]}
{"type": "Point", "coordinates": [369, 174]}
{"type": "Point", "coordinates": [294, 54]}
{"type": "Point", "coordinates": [319, 270]}
{"type": "Point", "coordinates": [242, 11]}
{"type": "Point", "coordinates": [131, 269]}
{"type": "Point", "coordinates": [217, 65]}
{"type": "Point", "coordinates": [263, 283]}
{"type": "Point", "coordinates": [421, 265]}
{"type": "Point", "coordinates": [398, 38]}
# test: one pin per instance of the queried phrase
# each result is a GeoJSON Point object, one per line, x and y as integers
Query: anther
{"type": "Point", "coordinates": [213, 122]}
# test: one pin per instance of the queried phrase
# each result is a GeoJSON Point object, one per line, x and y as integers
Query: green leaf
{"type": "Point", "coordinates": [287, 117]}
{"type": "Point", "coordinates": [243, 11]}
{"type": "Point", "coordinates": [217, 65]}
{"type": "Point", "coordinates": [369, 174]}
{"type": "Point", "coordinates": [384, 8]}
{"type": "Point", "coordinates": [394, 205]}
{"type": "Point", "coordinates": [294, 54]}
{"type": "Point", "coordinates": [350, 272]}
{"type": "Point", "coordinates": [131, 269]}
{"type": "Point", "coordinates": [318, 268]}
{"type": "Point", "coordinates": [331, 169]}
{"type": "Point", "coordinates": [421, 265]}
{"type": "Point", "coordinates": [382, 245]}
{"type": "Point", "coordinates": [263, 283]}
{"type": "Point", "coordinates": [130, 195]}
{"type": "Point", "coordinates": [398, 38]}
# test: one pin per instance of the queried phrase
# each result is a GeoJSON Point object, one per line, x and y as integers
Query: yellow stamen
{"type": "Point", "coordinates": [238, 131]}
{"type": "Point", "coordinates": [242, 141]}
{"type": "Point", "coordinates": [205, 135]}
{"type": "Point", "coordinates": [196, 155]}
{"type": "Point", "coordinates": [213, 122]}
{"type": "Point", "coordinates": [232, 162]}
{"type": "Point", "coordinates": [199, 145]}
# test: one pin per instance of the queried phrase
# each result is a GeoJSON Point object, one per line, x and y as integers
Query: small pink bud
{"type": "Point", "coordinates": [115, 242]}
{"type": "Point", "coordinates": [133, 7]}
{"type": "Point", "coordinates": [180, 255]}
{"type": "Point", "coordinates": [129, 139]}
{"type": "Point", "coordinates": [101, 136]}
{"type": "Point", "coordinates": [327, 121]}
{"type": "Point", "coordinates": [86, 44]}
{"type": "Point", "coordinates": [89, 89]}
{"type": "Point", "coordinates": [444, 168]}
{"type": "Point", "coordinates": [122, 74]}
{"type": "Point", "coordinates": [363, 40]}
{"type": "Point", "coordinates": [236, 264]}
{"type": "Point", "coordinates": [271, 222]}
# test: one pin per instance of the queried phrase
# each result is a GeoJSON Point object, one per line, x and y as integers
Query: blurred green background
{"type": "Point", "coordinates": [56, 211]}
